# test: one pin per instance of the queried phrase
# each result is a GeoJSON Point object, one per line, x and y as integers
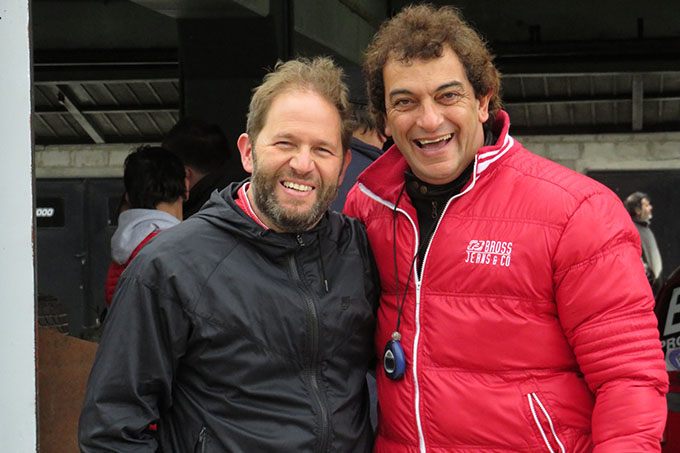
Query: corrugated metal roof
{"type": "Point", "coordinates": [138, 100]}
{"type": "Point", "coordinates": [593, 102]}
{"type": "Point", "coordinates": [107, 97]}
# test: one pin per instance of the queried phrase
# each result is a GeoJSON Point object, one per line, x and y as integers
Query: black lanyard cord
{"type": "Point", "coordinates": [400, 305]}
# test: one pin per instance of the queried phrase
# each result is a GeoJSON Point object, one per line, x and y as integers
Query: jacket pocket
{"type": "Point", "coordinates": [544, 424]}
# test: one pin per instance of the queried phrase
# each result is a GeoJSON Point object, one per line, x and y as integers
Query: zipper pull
{"type": "Point", "coordinates": [434, 209]}
{"type": "Point", "coordinates": [299, 240]}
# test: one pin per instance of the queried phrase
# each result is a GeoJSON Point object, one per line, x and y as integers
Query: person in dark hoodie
{"type": "Point", "coordinates": [204, 150]}
{"type": "Point", "coordinates": [155, 188]}
{"type": "Point", "coordinates": [366, 147]}
{"type": "Point", "coordinates": [248, 327]}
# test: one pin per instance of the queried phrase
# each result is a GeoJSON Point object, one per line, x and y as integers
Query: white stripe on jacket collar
{"type": "Point", "coordinates": [482, 162]}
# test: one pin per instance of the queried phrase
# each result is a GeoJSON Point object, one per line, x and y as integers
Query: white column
{"type": "Point", "coordinates": [18, 426]}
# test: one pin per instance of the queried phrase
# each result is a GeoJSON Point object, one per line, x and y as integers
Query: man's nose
{"type": "Point", "coordinates": [302, 161]}
{"type": "Point", "coordinates": [430, 116]}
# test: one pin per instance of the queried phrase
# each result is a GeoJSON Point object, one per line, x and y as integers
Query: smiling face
{"type": "Point", "coordinates": [297, 161]}
{"type": "Point", "coordinates": [433, 115]}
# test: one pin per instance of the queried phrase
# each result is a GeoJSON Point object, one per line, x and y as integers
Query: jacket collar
{"type": "Point", "coordinates": [385, 177]}
{"type": "Point", "coordinates": [223, 211]}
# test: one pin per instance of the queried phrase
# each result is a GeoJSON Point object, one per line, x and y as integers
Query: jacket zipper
{"type": "Point", "coordinates": [418, 282]}
{"type": "Point", "coordinates": [312, 370]}
{"type": "Point", "coordinates": [416, 393]}
{"type": "Point", "coordinates": [201, 441]}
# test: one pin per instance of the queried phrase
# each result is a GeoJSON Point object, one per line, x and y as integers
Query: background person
{"type": "Point", "coordinates": [155, 188]}
{"type": "Point", "coordinates": [204, 150]}
{"type": "Point", "coordinates": [639, 207]}
{"type": "Point", "coordinates": [512, 285]}
{"type": "Point", "coordinates": [248, 327]}
{"type": "Point", "coordinates": [366, 147]}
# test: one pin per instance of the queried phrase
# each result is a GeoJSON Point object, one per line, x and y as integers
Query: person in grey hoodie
{"type": "Point", "coordinates": [155, 188]}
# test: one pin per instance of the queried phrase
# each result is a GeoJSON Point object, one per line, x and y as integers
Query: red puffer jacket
{"type": "Point", "coordinates": [531, 327]}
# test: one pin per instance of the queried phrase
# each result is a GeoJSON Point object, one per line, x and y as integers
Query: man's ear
{"type": "Point", "coordinates": [187, 188]}
{"type": "Point", "coordinates": [347, 158]}
{"type": "Point", "coordinates": [483, 107]}
{"type": "Point", "coordinates": [388, 131]}
{"type": "Point", "coordinates": [246, 150]}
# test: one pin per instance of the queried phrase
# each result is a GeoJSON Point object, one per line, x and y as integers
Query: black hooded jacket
{"type": "Point", "coordinates": [226, 336]}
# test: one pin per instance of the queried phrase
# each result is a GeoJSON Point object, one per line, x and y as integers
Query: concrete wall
{"type": "Point", "coordinates": [579, 152]}
{"type": "Point", "coordinates": [81, 161]}
{"type": "Point", "coordinates": [653, 151]}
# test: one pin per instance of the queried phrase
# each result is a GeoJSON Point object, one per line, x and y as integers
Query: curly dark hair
{"type": "Point", "coordinates": [421, 33]}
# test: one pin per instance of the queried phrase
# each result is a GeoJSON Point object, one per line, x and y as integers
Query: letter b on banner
{"type": "Point", "coordinates": [672, 324]}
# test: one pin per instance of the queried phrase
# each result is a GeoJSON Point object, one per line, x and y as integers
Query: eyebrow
{"type": "Point", "coordinates": [444, 86]}
{"type": "Point", "coordinates": [289, 136]}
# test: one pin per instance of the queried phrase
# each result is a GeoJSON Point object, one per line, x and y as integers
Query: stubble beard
{"type": "Point", "coordinates": [289, 220]}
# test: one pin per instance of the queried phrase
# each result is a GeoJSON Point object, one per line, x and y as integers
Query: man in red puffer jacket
{"type": "Point", "coordinates": [515, 314]}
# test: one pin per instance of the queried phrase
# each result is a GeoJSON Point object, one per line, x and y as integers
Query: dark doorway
{"type": "Point", "coordinates": [75, 221]}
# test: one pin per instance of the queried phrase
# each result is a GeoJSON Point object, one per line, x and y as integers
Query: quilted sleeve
{"type": "Point", "coordinates": [605, 306]}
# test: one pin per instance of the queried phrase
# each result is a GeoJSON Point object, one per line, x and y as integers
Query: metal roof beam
{"type": "Point", "coordinates": [107, 110]}
{"type": "Point", "coordinates": [78, 116]}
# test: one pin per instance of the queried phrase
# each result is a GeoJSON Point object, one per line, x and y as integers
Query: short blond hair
{"type": "Point", "coordinates": [319, 75]}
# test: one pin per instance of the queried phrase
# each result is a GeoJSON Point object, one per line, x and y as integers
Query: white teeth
{"type": "Point", "coordinates": [427, 142]}
{"type": "Point", "coordinates": [295, 186]}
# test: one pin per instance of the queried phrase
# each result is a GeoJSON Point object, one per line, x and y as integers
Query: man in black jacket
{"type": "Point", "coordinates": [248, 327]}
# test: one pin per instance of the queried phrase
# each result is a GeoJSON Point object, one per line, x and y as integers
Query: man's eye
{"type": "Point", "coordinates": [402, 104]}
{"type": "Point", "coordinates": [449, 96]}
{"type": "Point", "coordinates": [284, 144]}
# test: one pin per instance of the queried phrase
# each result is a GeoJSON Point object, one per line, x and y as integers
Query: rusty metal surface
{"type": "Point", "coordinates": [64, 364]}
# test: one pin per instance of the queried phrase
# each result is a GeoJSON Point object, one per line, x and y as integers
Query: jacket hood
{"type": "Point", "coordinates": [369, 151]}
{"type": "Point", "coordinates": [133, 226]}
{"type": "Point", "coordinates": [222, 211]}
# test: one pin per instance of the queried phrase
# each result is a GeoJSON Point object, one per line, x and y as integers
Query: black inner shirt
{"type": "Point", "coordinates": [429, 200]}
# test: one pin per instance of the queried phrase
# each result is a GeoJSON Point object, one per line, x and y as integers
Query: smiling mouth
{"type": "Point", "coordinates": [425, 142]}
{"type": "Point", "coordinates": [296, 186]}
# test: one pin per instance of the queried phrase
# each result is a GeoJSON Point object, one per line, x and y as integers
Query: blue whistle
{"type": "Point", "coordinates": [394, 361]}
